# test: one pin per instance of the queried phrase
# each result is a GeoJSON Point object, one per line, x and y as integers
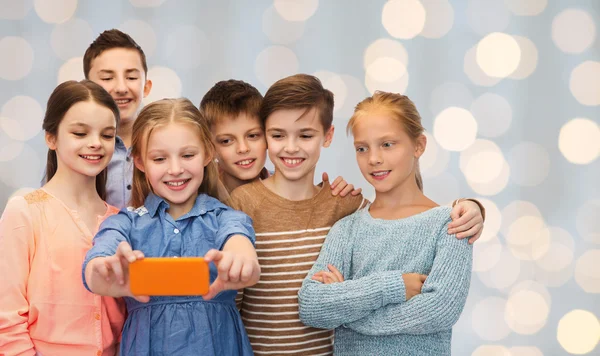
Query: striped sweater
{"type": "Point", "coordinates": [289, 236]}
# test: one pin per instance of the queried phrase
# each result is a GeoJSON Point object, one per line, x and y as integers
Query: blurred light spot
{"type": "Point", "coordinates": [385, 47]}
{"type": "Point", "coordinates": [503, 274]}
{"type": "Point", "coordinates": [165, 84]}
{"type": "Point", "coordinates": [529, 58]}
{"type": "Point", "coordinates": [51, 11]}
{"type": "Point", "coordinates": [488, 321]}
{"type": "Point", "coordinates": [495, 186]}
{"type": "Point", "coordinates": [18, 64]}
{"type": "Point", "coordinates": [486, 254]}
{"type": "Point", "coordinates": [355, 92]}
{"type": "Point", "coordinates": [455, 129]}
{"type": "Point", "coordinates": [23, 171]}
{"type": "Point", "coordinates": [560, 251]}
{"type": "Point", "coordinates": [585, 83]}
{"type": "Point", "coordinates": [22, 118]}
{"type": "Point", "coordinates": [491, 350]}
{"type": "Point", "coordinates": [493, 219]}
{"type": "Point", "coordinates": [435, 159]}
{"type": "Point", "coordinates": [403, 19]}
{"type": "Point", "coordinates": [493, 114]}
{"type": "Point", "coordinates": [397, 86]}
{"type": "Point", "coordinates": [489, 180]}
{"type": "Point", "coordinates": [526, 312]}
{"type": "Point", "coordinates": [146, 3]}
{"type": "Point", "coordinates": [439, 18]}
{"type": "Point", "coordinates": [531, 285]}
{"type": "Point", "coordinates": [498, 55]}
{"type": "Point", "coordinates": [187, 47]}
{"type": "Point", "coordinates": [71, 39]}
{"type": "Point", "coordinates": [526, 8]}
{"type": "Point", "coordinates": [486, 16]}
{"type": "Point", "coordinates": [280, 30]}
{"type": "Point", "coordinates": [573, 31]}
{"type": "Point", "coordinates": [71, 70]}
{"type": "Point", "coordinates": [274, 63]}
{"type": "Point", "coordinates": [587, 271]}
{"type": "Point", "coordinates": [9, 148]}
{"type": "Point", "coordinates": [15, 9]}
{"type": "Point", "coordinates": [296, 10]}
{"type": "Point", "coordinates": [442, 188]}
{"type": "Point", "coordinates": [528, 238]}
{"type": "Point", "coordinates": [529, 164]}
{"type": "Point", "coordinates": [484, 167]}
{"type": "Point", "coordinates": [514, 211]}
{"type": "Point", "coordinates": [525, 351]}
{"type": "Point", "coordinates": [386, 69]}
{"type": "Point", "coordinates": [143, 33]}
{"type": "Point", "coordinates": [578, 332]}
{"type": "Point", "coordinates": [588, 221]}
{"type": "Point", "coordinates": [579, 141]}
{"type": "Point", "coordinates": [336, 84]}
{"type": "Point", "coordinates": [450, 94]}
{"type": "Point", "coordinates": [474, 72]}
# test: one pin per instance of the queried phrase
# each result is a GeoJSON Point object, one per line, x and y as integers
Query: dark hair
{"type": "Point", "coordinates": [110, 39]}
{"type": "Point", "coordinates": [61, 100]}
{"type": "Point", "coordinates": [230, 98]}
{"type": "Point", "coordinates": [300, 91]}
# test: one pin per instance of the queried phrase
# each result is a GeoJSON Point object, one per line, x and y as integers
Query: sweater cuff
{"type": "Point", "coordinates": [394, 291]}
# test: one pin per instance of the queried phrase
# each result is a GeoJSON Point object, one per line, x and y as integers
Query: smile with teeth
{"type": "Point", "coordinates": [380, 174]}
{"type": "Point", "coordinates": [91, 157]}
{"type": "Point", "coordinates": [292, 161]}
{"type": "Point", "coordinates": [122, 101]}
{"type": "Point", "coordinates": [177, 183]}
{"type": "Point", "coordinates": [245, 162]}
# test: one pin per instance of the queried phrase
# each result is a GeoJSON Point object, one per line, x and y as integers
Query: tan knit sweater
{"type": "Point", "coordinates": [289, 236]}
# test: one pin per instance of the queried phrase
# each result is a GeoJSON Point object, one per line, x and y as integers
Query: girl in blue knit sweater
{"type": "Point", "coordinates": [389, 278]}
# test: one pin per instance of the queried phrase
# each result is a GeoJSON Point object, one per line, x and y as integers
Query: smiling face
{"type": "Point", "coordinates": [173, 163]}
{"type": "Point", "coordinates": [240, 145]}
{"type": "Point", "coordinates": [85, 140]}
{"type": "Point", "coordinates": [294, 140]}
{"type": "Point", "coordinates": [385, 153]}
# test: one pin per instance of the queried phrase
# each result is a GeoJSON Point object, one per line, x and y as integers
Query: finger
{"type": "Point", "coordinates": [336, 272]}
{"type": "Point", "coordinates": [117, 268]}
{"type": "Point", "coordinates": [102, 270]}
{"type": "Point", "coordinates": [124, 250]}
{"type": "Point", "coordinates": [338, 181]}
{"type": "Point", "coordinates": [465, 227]}
{"type": "Point", "coordinates": [317, 278]}
{"type": "Point", "coordinates": [141, 298]}
{"type": "Point", "coordinates": [325, 177]}
{"type": "Point", "coordinates": [213, 255]}
{"type": "Point", "coordinates": [224, 266]}
{"type": "Point", "coordinates": [356, 192]}
{"type": "Point", "coordinates": [139, 255]}
{"type": "Point", "coordinates": [249, 269]}
{"type": "Point", "coordinates": [215, 288]}
{"type": "Point", "coordinates": [347, 189]}
{"type": "Point", "coordinates": [471, 232]}
{"type": "Point", "coordinates": [455, 213]}
{"type": "Point", "coordinates": [476, 237]}
{"type": "Point", "coordinates": [457, 225]}
{"type": "Point", "coordinates": [422, 278]}
{"type": "Point", "coordinates": [236, 270]}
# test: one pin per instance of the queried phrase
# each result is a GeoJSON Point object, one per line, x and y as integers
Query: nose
{"type": "Point", "coordinates": [94, 142]}
{"type": "Point", "coordinates": [121, 86]}
{"type": "Point", "coordinates": [375, 158]}
{"type": "Point", "coordinates": [175, 167]}
{"type": "Point", "coordinates": [291, 146]}
{"type": "Point", "coordinates": [243, 147]}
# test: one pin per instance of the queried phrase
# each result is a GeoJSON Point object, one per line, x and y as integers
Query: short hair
{"type": "Point", "coordinates": [300, 91]}
{"type": "Point", "coordinates": [230, 98]}
{"type": "Point", "coordinates": [110, 39]}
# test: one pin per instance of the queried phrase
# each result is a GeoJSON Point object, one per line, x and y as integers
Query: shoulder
{"type": "Point", "coordinates": [348, 222]}
{"type": "Point", "coordinates": [245, 197]}
{"type": "Point", "coordinates": [15, 206]}
{"type": "Point", "coordinates": [344, 206]}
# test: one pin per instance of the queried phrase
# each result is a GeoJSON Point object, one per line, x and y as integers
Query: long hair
{"type": "Point", "coordinates": [159, 114]}
{"type": "Point", "coordinates": [61, 100]}
{"type": "Point", "coordinates": [401, 108]}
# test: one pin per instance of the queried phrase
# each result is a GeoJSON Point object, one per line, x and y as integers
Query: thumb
{"type": "Point", "coordinates": [422, 278]}
{"type": "Point", "coordinates": [325, 177]}
{"type": "Point", "coordinates": [213, 256]}
{"type": "Point", "coordinates": [215, 288]}
{"type": "Point", "coordinates": [456, 212]}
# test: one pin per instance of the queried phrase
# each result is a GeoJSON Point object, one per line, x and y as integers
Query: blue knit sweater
{"type": "Point", "coordinates": [369, 310]}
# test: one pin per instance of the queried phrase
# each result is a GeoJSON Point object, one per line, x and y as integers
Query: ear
{"type": "Point", "coordinates": [147, 87]}
{"type": "Point", "coordinates": [50, 141]}
{"type": "Point", "coordinates": [208, 159]}
{"type": "Point", "coordinates": [420, 145]}
{"type": "Point", "coordinates": [139, 163]}
{"type": "Point", "coordinates": [329, 136]}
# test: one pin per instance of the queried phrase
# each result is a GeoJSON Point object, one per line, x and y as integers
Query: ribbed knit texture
{"type": "Point", "coordinates": [369, 310]}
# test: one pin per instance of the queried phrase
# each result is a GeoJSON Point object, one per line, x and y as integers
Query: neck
{"type": "Point", "coordinates": [295, 190]}
{"type": "Point", "coordinates": [178, 210]}
{"type": "Point", "coordinates": [74, 189]}
{"type": "Point", "coordinates": [405, 194]}
{"type": "Point", "coordinates": [125, 129]}
{"type": "Point", "coordinates": [230, 182]}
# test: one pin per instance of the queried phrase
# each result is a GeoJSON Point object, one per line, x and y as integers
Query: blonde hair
{"type": "Point", "coordinates": [159, 114]}
{"type": "Point", "coordinates": [400, 108]}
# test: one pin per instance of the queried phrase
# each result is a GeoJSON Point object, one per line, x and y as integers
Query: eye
{"type": "Point", "coordinates": [277, 136]}
{"type": "Point", "coordinates": [254, 136]}
{"type": "Point", "coordinates": [387, 144]}
{"type": "Point", "coordinates": [306, 137]}
{"type": "Point", "coordinates": [226, 141]}
{"type": "Point", "coordinates": [361, 149]}
{"type": "Point", "coordinates": [158, 159]}
{"type": "Point", "coordinates": [132, 78]}
{"type": "Point", "coordinates": [108, 137]}
{"type": "Point", "coordinates": [190, 155]}
{"type": "Point", "coordinates": [79, 134]}
{"type": "Point", "coordinates": [105, 79]}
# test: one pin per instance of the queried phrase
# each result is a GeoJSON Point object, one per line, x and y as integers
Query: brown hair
{"type": "Point", "coordinates": [230, 98]}
{"type": "Point", "coordinates": [300, 91]}
{"type": "Point", "coordinates": [110, 39]}
{"type": "Point", "coordinates": [61, 100]}
{"type": "Point", "coordinates": [401, 108]}
{"type": "Point", "coordinates": [159, 114]}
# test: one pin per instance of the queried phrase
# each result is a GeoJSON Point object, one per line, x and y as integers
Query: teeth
{"type": "Point", "coordinates": [91, 157]}
{"type": "Point", "coordinates": [292, 161]}
{"type": "Point", "coordinates": [380, 173]}
{"type": "Point", "coordinates": [245, 162]}
{"type": "Point", "coordinates": [176, 184]}
{"type": "Point", "coordinates": [122, 101]}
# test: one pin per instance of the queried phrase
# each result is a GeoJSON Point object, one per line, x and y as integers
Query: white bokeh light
{"type": "Point", "coordinates": [442, 188]}
{"type": "Point", "coordinates": [486, 254]}
{"type": "Point", "coordinates": [403, 19]}
{"type": "Point", "coordinates": [143, 34]}
{"type": "Point", "coordinates": [9, 148]}
{"type": "Point", "coordinates": [493, 219]}
{"type": "Point", "coordinates": [18, 64]}
{"type": "Point", "coordinates": [528, 238]}
{"type": "Point", "coordinates": [165, 84]}
{"type": "Point", "coordinates": [435, 159]}
{"type": "Point", "coordinates": [71, 39]}
{"type": "Point", "coordinates": [588, 224]}
{"type": "Point", "coordinates": [51, 11]}
{"type": "Point", "coordinates": [573, 31]}
{"type": "Point", "coordinates": [475, 74]}
{"type": "Point", "coordinates": [525, 351]}
{"type": "Point", "coordinates": [555, 267]}
{"type": "Point", "coordinates": [529, 58]}
{"type": "Point", "coordinates": [147, 3]}
{"type": "Point", "coordinates": [587, 271]}
{"type": "Point", "coordinates": [514, 211]}
{"type": "Point", "coordinates": [526, 8]}
{"type": "Point", "coordinates": [71, 70]}
{"type": "Point", "coordinates": [355, 92]}
{"type": "Point", "coordinates": [486, 16]}
{"type": "Point", "coordinates": [488, 321]}
{"type": "Point", "coordinates": [491, 350]}
{"type": "Point", "coordinates": [280, 30]}
{"type": "Point", "coordinates": [529, 164]}
{"type": "Point", "coordinates": [385, 47]}
{"type": "Point", "coordinates": [25, 170]}
{"type": "Point", "coordinates": [579, 141]}
{"type": "Point", "coordinates": [493, 114]}
{"type": "Point", "coordinates": [386, 69]}
{"type": "Point", "coordinates": [495, 186]}
{"type": "Point", "coordinates": [498, 55]}
{"type": "Point", "coordinates": [484, 167]}
{"type": "Point", "coordinates": [504, 273]}
{"type": "Point", "coordinates": [526, 311]}
{"type": "Point", "coordinates": [274, 63]}
{"type": "Point", "coordinates": [455, 129]}
{"type": "Point", "coordinates": [187, 47]}
{"type": "Point", "coordinates": [334, 83]}
{"type": "Point", "coordinates": [450, 94]}
{"type": "Point", "coordinates": [296, 10]}
{"type": "Point", "coordinates": [491, 180]}
{"type": "Point", "coordinates": [585, 83]}
{"type": "Point", "coordinates": [397, 86]}
{"type": "Point", "coordinates": [21, 117]}
{"type": "Point", "coordinates": [578, 332]}
{"type": "Point", "coordinates": [15, 9]}
{"type": "Point", "coordinates": [439, 18]}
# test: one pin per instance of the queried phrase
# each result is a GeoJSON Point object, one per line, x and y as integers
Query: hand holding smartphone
{"type": "Point", "coordinates": [169, 276]}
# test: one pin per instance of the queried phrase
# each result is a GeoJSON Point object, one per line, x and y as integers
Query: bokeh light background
{"type": "Point", "coordinates": [509, 91]}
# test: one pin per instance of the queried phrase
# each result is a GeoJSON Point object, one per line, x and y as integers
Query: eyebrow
{"type": "Point", "coordinates": [81, 124]}
{"type": "Point", "coordinates": [110, 71]}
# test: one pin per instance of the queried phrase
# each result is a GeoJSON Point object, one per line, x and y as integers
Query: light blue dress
{"type": "Point", "coordinates": [178, 326]}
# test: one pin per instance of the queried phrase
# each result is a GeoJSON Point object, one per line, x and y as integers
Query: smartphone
{"type": "Point", "coordinates": [169, 276]}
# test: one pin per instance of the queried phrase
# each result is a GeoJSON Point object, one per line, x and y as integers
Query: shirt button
{"type": "Point", "coordinates": [97, 316]}
{"type": "Point", "coordinates": [128, 159]}
{"type": "Point", "coordinates": [176, 231]}
{"type": "Point", "coordinates": [99, 353]}
{"type": "Point", "coordinates": [128, 186]}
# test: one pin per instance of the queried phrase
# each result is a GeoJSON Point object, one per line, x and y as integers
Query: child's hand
{"type": "Point", "coordinates": [467, 220]}
{"type": "Point", "coordinates": [328, 277]}
{"type": "Point", "coordinates": [413, 282]}
{"type": "Point", "coordinates": [341, 187]}
{"type": "Point", "coordinates": [236, 271]}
